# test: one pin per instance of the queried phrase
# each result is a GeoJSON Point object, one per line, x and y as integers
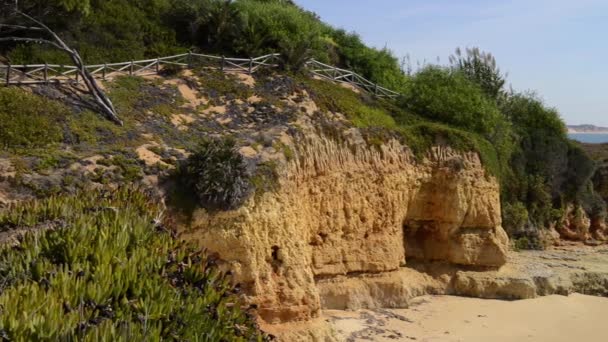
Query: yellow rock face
{"type": "Point", "coordinates": [344, 211]}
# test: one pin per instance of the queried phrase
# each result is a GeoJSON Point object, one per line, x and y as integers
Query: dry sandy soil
{"type": "Point", "coordinates": [445, 318]}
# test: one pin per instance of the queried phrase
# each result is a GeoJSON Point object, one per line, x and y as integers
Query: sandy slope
{"type": "Point", "coordinates": [443, 318]}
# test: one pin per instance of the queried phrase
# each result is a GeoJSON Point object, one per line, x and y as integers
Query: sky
{"type": "Point", "coordinates": [557, 48]}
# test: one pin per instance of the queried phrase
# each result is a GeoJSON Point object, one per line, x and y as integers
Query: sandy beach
{"type": "Point", "coordinates": [445, 318]}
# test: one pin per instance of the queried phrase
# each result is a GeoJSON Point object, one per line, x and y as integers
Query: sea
{"type": "Point", "coordinates": [590, 138]}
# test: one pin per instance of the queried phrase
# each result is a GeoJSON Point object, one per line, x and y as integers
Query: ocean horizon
{"type": "Point", "coordinates": [589, 138]}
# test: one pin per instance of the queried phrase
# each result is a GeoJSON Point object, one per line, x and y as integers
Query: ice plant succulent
{"type": "Point", "coordinates": [100, 266]}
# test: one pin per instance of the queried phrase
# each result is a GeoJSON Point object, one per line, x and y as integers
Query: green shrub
{"type": "Point", "coordinates": [28, 120]}
{"type": "Point", "coordinates": [379, 66]}
{"type": "Point", "coordinates": [218, 175]}
{"type": "Point", "coordinates": [104, 269]}
{"type": "Point", "coordinates": [103, 31]}
{"type": "Point", "coordinates": [285, 27]}
{"type": "Point", "coordinates": [547, 170]}
{"type": "Point", "coordinates": [481, 68]}
{"type": "Point", "coordinates": [541, 135]}
{"type": "Point", "coordinates": [39, 53]}
{"type": "Point", "coordinates": [449, 97]}
{"type": "Point", "coordinates": [514, 217]}
{"type": "Point", "coordinates": [522, 243]}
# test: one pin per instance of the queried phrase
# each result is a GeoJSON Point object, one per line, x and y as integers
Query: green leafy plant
{"type": "Point", "coordinates": [218, 174]}
{"type": "Point", "coordinates": [449, 97]}
{"type": "Point", "coordinates": [547, 170]}
{"type": "Point", "coordinates": [101, 266]}
{"type": "Point", "coordinates": [514, 217]}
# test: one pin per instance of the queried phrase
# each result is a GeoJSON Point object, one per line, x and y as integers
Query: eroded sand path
{"type": "Point", "coordinates": [445, 318]}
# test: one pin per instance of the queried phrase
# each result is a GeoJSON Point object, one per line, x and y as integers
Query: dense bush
{"type": "Point", "coordinates": [123, 30]}
{"type": "Point", "coordinates": [380, 66]}
{"type": "Point", "coordinates": [448, 96]}
{"type": "Point", "coordinates": [541, 134]}
{"type": "Point", "coordinates": [515, 217]}
{"type": "Point", "coordinates": [480, 67]}
{"type": "Point", "coordinates": [273, 26]}
{"type": "Point", "coordinates": [547, 170]}
{"type": "Point", "coordinates": [28, 120]}
{"type": "Point", "coordinates": [103, 31]}
{"type": "Point", "coordinates": [218, 174]}
{"type": "Point", "coordinates": [102, 268]}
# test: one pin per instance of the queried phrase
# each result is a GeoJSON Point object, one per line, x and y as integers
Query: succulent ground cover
{"type": "Point", "coordinates": [101, 266]}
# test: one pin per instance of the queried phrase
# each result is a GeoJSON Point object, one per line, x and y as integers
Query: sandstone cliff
{"type": "Point", "coordinates": [344, 208]}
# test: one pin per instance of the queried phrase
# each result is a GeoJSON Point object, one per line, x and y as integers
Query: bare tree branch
{"type": "Point", "coordinates": [101, 99]}
{"type": "Point", "coordinates": [19, 27]}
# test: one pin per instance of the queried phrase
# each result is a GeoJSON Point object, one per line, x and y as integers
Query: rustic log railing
{"type": "Point", "coordinates": [346, 76]}
{"type": "Point", "coordinates": [54, 73]}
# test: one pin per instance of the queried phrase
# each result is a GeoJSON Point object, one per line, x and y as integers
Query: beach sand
{"type": "Point", "coordinates": [444, 318]}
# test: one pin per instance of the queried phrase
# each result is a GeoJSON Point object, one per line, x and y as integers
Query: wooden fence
{"type": "Point", "coordinates": [53, 73]}
{"type": "Point", "coordinates": [346, 76]}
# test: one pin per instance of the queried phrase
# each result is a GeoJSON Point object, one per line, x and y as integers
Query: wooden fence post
{"type": "Point", "coordinates": [131, 69]}
{"type": "Point", "coordinates": [8, 75]}
{"type": "Point", "coordinates": [103, 71]}
{"type": "Point", "coordinates": [223, 63]}
{"type": "Point", "coordinates": [250, 65]}
{"type": "Point", "coordinates": [189, 62]}
{"type": "Point", "coordinates": [376, 89]}
{"type": "Point", "coordinates": [157, 65]}
{"type": "Point", "coordinates": [46, 73]}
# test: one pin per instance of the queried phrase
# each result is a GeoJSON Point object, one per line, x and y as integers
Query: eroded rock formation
{"type": "Point", "coordinates": [576, 225]}
{"type": "Point", "coordinates": [346, 209]}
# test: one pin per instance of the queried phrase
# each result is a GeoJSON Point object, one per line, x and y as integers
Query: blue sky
{"type": "Point", "coordinates": [558, 48]}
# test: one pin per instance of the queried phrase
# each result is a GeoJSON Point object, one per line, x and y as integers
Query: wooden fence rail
{"type": "Point", "coordinates": [346, 76]}
{"type": "Point", "coordinates": [54, 73]}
